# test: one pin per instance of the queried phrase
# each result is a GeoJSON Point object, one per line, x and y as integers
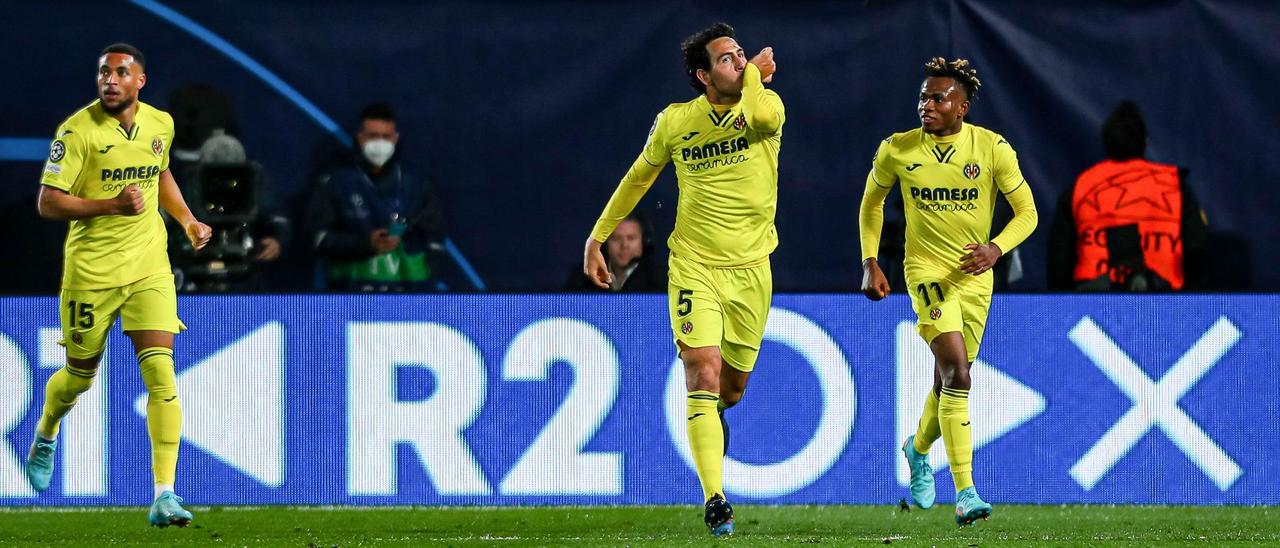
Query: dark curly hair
{"type": "Point", "coordinates": [960, 70]}
{"type": "Point", "coordinates": [695, 52]}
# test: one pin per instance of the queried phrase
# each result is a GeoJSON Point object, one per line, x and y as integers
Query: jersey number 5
{"type": "Point", "coordinates": [684, 305]}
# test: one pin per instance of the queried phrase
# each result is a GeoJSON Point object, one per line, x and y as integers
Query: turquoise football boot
{"type": "Point", "coordinates": [970, 508]}
{"type": "Point", "coordinates": [40, 463]}
{"type": "Point", "coordinates": [922, 491]}
{"type": "Point", "coordinates": [167, 510]}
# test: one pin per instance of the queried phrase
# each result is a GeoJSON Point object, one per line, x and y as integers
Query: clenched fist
{"type": "Point", "coordinates": [874, 284]}
{"type": "Point", "coordinates": [764, 61]}
{"type": "Point", "coordinates": [129, 201]}
{"type": "Point", "coordinates": [199, 233]}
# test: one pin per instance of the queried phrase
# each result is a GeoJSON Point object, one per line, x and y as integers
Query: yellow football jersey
{"type": "Point", "coordinates": [949, 188]}
{"type": "Point", "coordinates": [93, 157]}
{"type": "Point", "coordinates": [726, 162]}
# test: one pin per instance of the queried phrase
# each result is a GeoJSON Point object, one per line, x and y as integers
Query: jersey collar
{"type": "Point", "coordinates": [110, 120]}
{"type": "Point", "coordinates": [717, 113]}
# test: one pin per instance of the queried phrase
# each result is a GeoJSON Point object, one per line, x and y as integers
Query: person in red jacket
{"type": "Point", "coordinates": [1128, 223]}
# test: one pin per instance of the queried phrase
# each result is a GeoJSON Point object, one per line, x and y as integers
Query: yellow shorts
{"type": "Point", "coordinates": [149, 304]}
{"type": "Point", "coordinates": [942, 307]}
{"type": "Point", "coordinates": [724, 307]}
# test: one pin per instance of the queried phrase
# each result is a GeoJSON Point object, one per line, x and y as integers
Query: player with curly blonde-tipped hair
{"type": "Point", "coordinates": [951, 173]}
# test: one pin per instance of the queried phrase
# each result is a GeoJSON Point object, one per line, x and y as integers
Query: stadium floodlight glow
{"type": "Point", "coordinates": [1155, 404]}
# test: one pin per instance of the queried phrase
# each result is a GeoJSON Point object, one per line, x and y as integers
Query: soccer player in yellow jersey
{"type": "Point", "coordinates": [951, 175]}
{"type": "Point", "coordinates": [724, 145]}
{"type": "Point", "coordinates": [108, 170]}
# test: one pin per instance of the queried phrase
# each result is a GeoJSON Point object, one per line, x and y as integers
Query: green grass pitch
{"type": "Point", "coordinates": [1012, 525]}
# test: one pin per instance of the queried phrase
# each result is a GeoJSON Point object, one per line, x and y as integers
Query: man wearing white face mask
{"type": "Point", "coordinates": [374, 221]}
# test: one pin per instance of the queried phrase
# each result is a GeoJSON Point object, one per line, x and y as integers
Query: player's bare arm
{"type": "Point", "coordinates": [594, 266]}
{"type": "Point", "coordinates": [981, 258]}
{"type": "Point", "coordinates": [172, 202]}
{"type": "Point", "coordinates": [874, 284]}
{"type": "Point", "coordinates": [57, 205]}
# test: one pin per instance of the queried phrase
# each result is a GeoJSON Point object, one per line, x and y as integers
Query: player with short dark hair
{"type": "Point", "coordinates": [724, 145]}
{"type": "Point", "coordinates": [951, 174]}
{"type": "Point", "coordinates": [127, 49]}
{"type": "Point", "coordinates": [108, 173]}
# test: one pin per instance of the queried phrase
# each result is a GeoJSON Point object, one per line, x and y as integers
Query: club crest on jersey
{"type": "Point", "coordinates": [157, 146]}
{"type": "Point", "coordinates": [57, 150]}
{"type": "Point", "coordinates": [686, 328]}
{"type": "Point", "coordinates": [740, 122]}
{"type": "Point", "coordinates": [935, 313]}
{"type": "Point", "coordinates": [971, 170]}
{"type": "Point", "coordinates": [76, 338]}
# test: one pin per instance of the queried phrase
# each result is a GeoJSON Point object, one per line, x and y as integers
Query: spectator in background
{"type": "Point", "coordinates": [1128, 223]}
{"type": "Point", "coordinates": [374, 221]}
{"type": "Point", "coordinates": [629, 255]}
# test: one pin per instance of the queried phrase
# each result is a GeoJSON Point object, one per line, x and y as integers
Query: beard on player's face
{"type": "Point", "coordinates": [726, 86]}
{"type": "Point", "coordinates": [121, 106]}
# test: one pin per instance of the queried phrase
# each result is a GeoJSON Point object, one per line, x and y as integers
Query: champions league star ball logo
{"type": "Point", "coordinates": [740, 122]}
{"type": "Point", "coordinates": [157, 146]}
{"type": "Point", "coordinates": [971, 170]}
{"type": "Point", "coordinates": [687, 328]}
{"type": "Point", "coordinates": [935, 314]}
{"type": "Point", "coordinates": [57, 150]}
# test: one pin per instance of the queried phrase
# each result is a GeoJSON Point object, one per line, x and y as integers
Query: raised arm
{"type": "Point", "coordinates": [762, 108]}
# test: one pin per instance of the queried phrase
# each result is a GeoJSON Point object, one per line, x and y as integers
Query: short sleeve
{"type": "Point", "coordinates": [66, 159]}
